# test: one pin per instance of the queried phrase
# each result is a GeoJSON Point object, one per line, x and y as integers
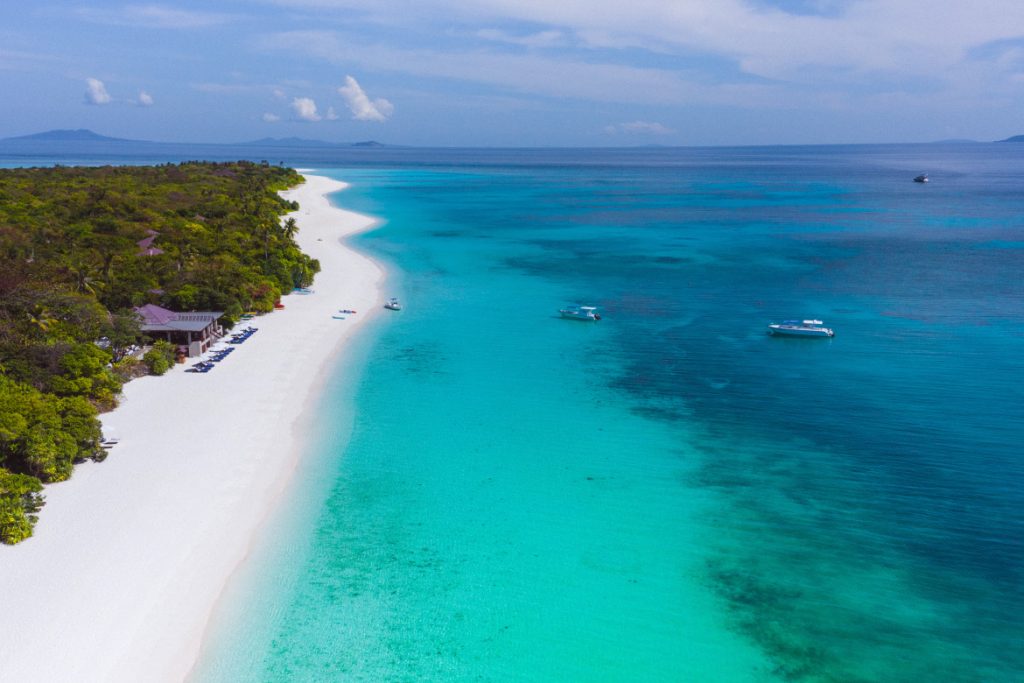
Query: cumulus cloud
{"type": "Point", "coordinates": [331, 115]}
{"type": "Point", "coordinates": [271, 118]}
{"type": "Point", "coordinates": [362, 108]}
{"type": "Point", "coordinates": [145, 99]}
{"type": "Point", "coordinates": [96, 92]}
{"type": "Point", "coordinates": [640, 127]}
{"type": "Point", "coordinates": [305, 109]}
{"type": "Point", "coordinates": [279, 94]}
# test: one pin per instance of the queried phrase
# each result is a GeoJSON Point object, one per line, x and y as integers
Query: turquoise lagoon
{"type": "Point", "coordinates": [496, 494]}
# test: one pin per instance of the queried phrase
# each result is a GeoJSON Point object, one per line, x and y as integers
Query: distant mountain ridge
{"type": "Point", "coordinates": [1015, 138]}
{"type": "Point", "coordinates": [69, 135]}
{"type": "Point", "coordinates": [85, 135]}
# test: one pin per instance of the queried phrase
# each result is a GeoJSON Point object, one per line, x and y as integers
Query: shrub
{"type": "Point", "coordinates": [20, 498]}
{"type": "Point", "coordinates": [160, 358]}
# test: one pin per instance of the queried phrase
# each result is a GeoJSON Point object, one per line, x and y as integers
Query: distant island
{"type": "Point", "coordinates": [1015, 138]}
{"type": "Point", "coordinates": [67, 135]}
{"type": "Point", "coordinates": [83, 135]}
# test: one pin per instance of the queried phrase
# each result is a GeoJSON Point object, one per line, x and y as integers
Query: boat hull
{"type": "Point", "coordinates": [786, 331]}
{"type": "Point", "coordinates": [569, 315]}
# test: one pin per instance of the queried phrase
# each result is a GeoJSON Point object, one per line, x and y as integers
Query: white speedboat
{"type": "Point", "coordinates": [580, 313]}
{"type": "Point", "coordinates": [923, 178]}
{"type": "Point", "coordinates": [801, 328]}
{"type": "Point", "coordinates": [393, 304]}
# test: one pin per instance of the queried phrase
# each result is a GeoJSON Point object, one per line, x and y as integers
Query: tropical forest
{"type": "Point", "coordinates": [80, 247]}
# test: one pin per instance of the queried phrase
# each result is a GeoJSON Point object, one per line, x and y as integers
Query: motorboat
{"type": "Point", "coordinates": [587, 313]}
{"type": "Point", "coordinates": [393, 304]}
{"type": "Point", "coordinates": [923, 178]}
{"type": "Point", "coordinates": [800, 328]}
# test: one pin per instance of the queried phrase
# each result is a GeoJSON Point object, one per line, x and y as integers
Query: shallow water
{"type": "Point", "coordinates": [669, 494]}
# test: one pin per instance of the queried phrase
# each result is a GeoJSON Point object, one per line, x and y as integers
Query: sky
{"type": "Point", "coordinates": [517, 72]}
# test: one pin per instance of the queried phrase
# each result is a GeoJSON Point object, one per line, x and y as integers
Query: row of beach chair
{"type": "Point", "coordinates": [219, 355]}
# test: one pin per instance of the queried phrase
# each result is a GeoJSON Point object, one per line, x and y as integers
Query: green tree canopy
{"type": "Point", "coordinates": [79, 248]}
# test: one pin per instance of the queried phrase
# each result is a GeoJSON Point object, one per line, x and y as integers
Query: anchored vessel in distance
{"type": "Point", "coordinates": [586, 313]}
{"type": "Point", "coordinates": [800, 328]}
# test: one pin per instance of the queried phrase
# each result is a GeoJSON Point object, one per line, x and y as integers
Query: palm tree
{"type": "Point", "coordinates": [84, 281]}
{"type": "Point", "coordinates": [289, 228]}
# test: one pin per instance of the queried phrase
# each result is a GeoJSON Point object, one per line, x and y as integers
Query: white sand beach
{"type": "Point", "coordinates": [130, 555]}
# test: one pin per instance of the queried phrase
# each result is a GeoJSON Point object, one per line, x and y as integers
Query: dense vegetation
{"type": "Point", "coordinates": [79, 247]}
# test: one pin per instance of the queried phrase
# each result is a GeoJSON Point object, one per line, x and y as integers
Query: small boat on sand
{"type": "Point", "coordinates": [800, 328]}
{"type": "Point", "coordinates": [585, 313]}
{"type": "Point", "coordinates": [393, 304]}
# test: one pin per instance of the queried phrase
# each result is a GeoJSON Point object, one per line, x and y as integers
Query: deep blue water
{"type": "Point", "coordinates": [669, 494]}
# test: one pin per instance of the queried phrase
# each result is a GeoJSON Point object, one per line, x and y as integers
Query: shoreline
{"type": "Point", "coordinates": [131, 556]}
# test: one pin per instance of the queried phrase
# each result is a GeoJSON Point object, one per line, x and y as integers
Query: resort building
{"type": "Point", "coordinates": [146, 247]}
{"type": "Point", "coordinates": [193, 332]}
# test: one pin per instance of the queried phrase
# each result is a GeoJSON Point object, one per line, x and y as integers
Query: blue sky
{"type": "Point", "coordinates": [518, 72]}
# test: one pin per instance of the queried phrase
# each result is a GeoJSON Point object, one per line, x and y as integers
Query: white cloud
{"type": "Point", "coordinates": [331, 115]}
{"type": "Point", "coordinates": [360, 105]}
{"type": "Point", "coordinates": [96, 92]}
{"type": "Point", "coordinates": [640, 127]}
{"type": "Point", "coordinates": [153, 16]}
{"type": "Point", "coordinates": [526, 73]}
{"type": "Point", "coordinates": [533, 40]}
{"type": "Point", "coordinates": [271, 118]}
{"type": "Point", "coordinates": [279, 94]}
{"type": "Point", "coordinates": [828, 41]}
{"type": "Point", "coordinates": [305, 109]}
{"type": "Point", "coordinates": [145, 99]}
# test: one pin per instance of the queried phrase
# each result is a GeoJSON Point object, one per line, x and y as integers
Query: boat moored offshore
{"type": "Point", "coordinates": [587, 313]}
{"type": "Point", "coordinates": [393, 304]}
{"type": "Point", "coordinates": [800, 328]}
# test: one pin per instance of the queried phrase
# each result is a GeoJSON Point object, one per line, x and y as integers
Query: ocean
{"type": "Point", "coordinates": [494, 493]}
